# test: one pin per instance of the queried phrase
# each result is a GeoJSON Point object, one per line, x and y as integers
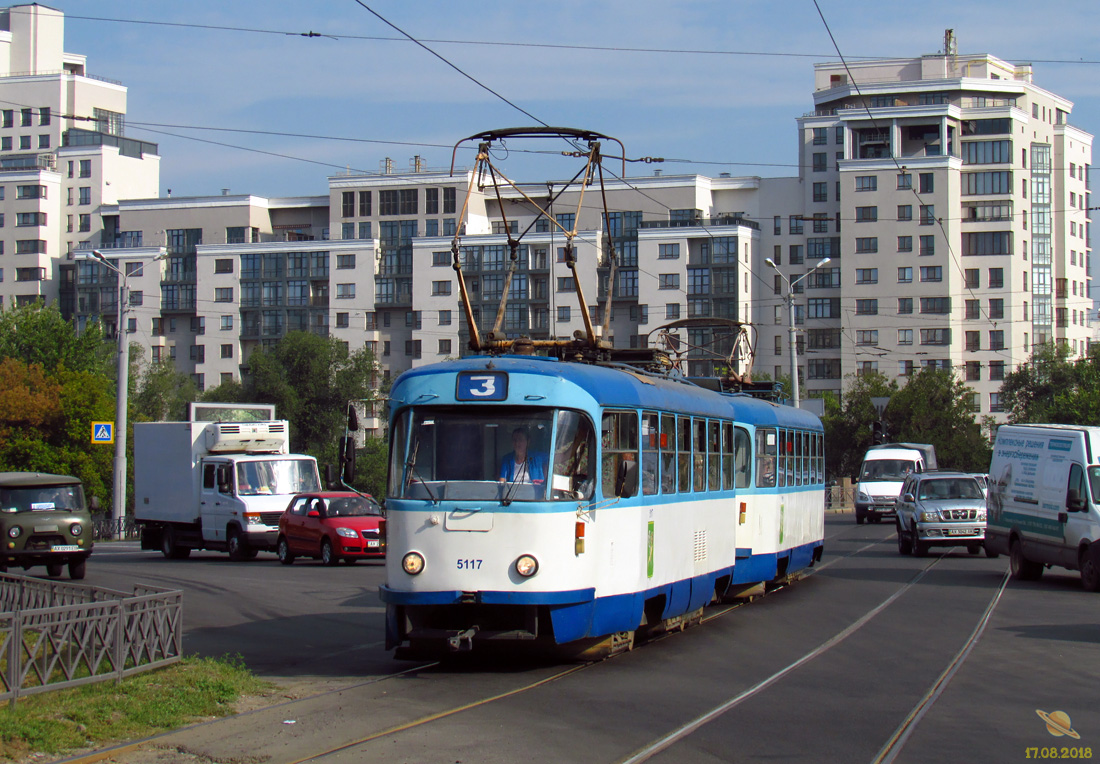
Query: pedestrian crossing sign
{"type": "Point", "coordinates": [103, 432]}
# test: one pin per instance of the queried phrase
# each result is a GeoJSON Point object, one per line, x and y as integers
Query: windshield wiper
{"type": "Point", "coordinates": [410, 465]}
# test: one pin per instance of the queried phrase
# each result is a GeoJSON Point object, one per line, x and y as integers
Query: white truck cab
{"type": "Point", "coordinates": [1044, 500]}
{"type": "Point", "coordinates": [882, 474]}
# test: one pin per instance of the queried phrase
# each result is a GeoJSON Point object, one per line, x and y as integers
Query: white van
{"type": "Point", "coordinates": [882, 473]}
{"type": "Point", "coordinates": [1044, 499]}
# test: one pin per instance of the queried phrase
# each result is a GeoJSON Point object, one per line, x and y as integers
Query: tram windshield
{"type": "Point", "coordinates": [494, 453]}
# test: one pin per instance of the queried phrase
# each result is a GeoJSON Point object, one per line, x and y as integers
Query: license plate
{"type": "Point", "coordinates": [372, 542]}
{"type": "Point", "coordinates": [65, 548]}
{"type": "Point", "coordinates": [960, 532]}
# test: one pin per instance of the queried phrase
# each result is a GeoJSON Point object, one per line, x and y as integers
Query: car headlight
{"type": "Point", "coordinates": [981, 515]}
{"type": "Point", "coordinates": [347, 533]}
{"type": "Point", "coordinates": [15, 531]}
{"type": "Point", "coordinates": [253, 519]}
{"type": "Point", "coordinates": [527, 566]}
{"type": "Point", "coordinates": [76, 529]}
{"type": "Point", "coordinates": [929, 516]}
{"type": "Point", "coordinates": [864, 497]}
{"type": "Point", "coordinates": [412, 563]}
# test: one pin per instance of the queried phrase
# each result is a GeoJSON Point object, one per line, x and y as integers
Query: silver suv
{"type": "Point", "coordinates": [940, 509]}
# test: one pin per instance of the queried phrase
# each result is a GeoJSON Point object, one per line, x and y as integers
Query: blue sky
{"type": "Point", "coordinates": [723, 112]}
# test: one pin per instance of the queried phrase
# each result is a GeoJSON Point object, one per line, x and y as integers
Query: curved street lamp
{"type": "Point", "coordinates": [789, 299]}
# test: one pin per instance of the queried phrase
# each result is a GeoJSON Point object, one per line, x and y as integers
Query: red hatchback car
{"type": "Point", "coordinates": [332, 526]}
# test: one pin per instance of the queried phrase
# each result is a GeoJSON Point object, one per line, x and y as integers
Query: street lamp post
{"type": "Point", "coordinates": [118, 505]}
{"type": "Point", "coordinates": [791, 331]}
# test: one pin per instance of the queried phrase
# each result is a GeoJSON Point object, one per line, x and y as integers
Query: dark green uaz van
{"type": "Point", "coordinates": [44, 520]}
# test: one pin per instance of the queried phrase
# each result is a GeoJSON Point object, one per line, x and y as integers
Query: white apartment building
{"type": "Point", "coordinates": [949, 191]}
{"type": "Point", "coordinates": [953, 195]}
{"type": "Point", "coordinates": [63, 154]}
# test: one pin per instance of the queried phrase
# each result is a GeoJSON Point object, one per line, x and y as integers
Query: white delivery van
{"type": "Point", "coordinates": [1044, 499]}
{"type": "Point", "coordinates": [882, 474]}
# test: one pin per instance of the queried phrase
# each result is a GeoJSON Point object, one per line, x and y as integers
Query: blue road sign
{"type": "Point", "coordinates": [103, 432]}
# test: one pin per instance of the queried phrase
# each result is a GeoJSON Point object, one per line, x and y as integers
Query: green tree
{"type": "Point", "coordinates": [935, 407]}
{"type": "Point", "coordinates": [161, 393]}
{"type": "Point", "coordinates": [848, 422]}
{"type": "Point", "coordinates": [38, 334]}
{"type": "Point", "coordinates": [1052, 388]}
{"type": "Point", "coordinates": [310, 379]}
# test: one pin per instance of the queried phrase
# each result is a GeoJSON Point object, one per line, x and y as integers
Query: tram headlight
{"type": "Point", "coordinates": [527, 565]}
{"type": "Point", "coordinates": [15, 531]}
{"type": "Point", "coordinates": [412, 563]}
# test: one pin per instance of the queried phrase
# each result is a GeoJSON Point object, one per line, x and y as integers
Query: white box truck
{"type": "Point", "coordinates": [1044, 500]}
{"type": "Point", "coordinates": [215, 485]}
{"type": "Point", "coordinates": [882, 474]}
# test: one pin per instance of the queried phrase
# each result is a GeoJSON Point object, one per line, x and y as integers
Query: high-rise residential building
{"type": "Point", "coordinates": [63, 154]}
{"type": "Point", "coordinates": [953, 194]}
{"type": "Point", "coordinates": [949, 192]}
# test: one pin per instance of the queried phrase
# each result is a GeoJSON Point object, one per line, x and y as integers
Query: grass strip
{"type": "Point", "coordinates": [141, 705]}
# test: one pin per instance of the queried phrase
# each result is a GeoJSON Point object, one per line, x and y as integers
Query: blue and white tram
{"type": "Point", "coordinates": [640, 499]}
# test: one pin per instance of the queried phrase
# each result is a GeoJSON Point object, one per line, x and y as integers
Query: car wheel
{"type": "Point", "coordinates": [920, 548]}
{"type": "Point", "coordinates": [905, 544]}
{"type": "Point", "coordinates": [1022, 568]}
{"type": "Point", "coordinates": [876, 519]}
{"type": "Point", "coordinates": [328, 556]}
{"type": "Point", "coordinates": [1090, 569]}
{"type": "Point", "coordinates": [238, 547]}
{"type": "Point", "coordinates": [283, 550]}
{"type": "Point", "coordinates": [349, 560]}
{"type": "Point", "coordinates": [974, 548]}
{"type": "Point", "coordinates": [170, 549]}
{"type": "Point", "coordinates": [990, 553]}
{"type": "Point", "coordinates": [77, 568]}
{"type": "Point", "coordinates": [859, 517]}
{"type": "Point", "coordinates": [53, 570]}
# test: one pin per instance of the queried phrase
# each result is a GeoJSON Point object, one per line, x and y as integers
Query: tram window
{"type": "Point", "coordinates": [573, 472]}
{"type": "Point", "coordinates": [714, 450]}
{"type": "Point", "coordinates": [399, 434]}
{"type": "Point", "coordinates": [668, 453]}
{"type": "Point", "coordinates": [727, 456]}
{"type": "Point", "coordinates": [742, 450]}
{"type": "Point", "coordinates": [807, 459]}
{"type": "Point", "coordinates": [651, 441]}
{"type": "Point", "coordinates": [700, 441]}
{"type": "Point", "coordinates": [767, 447]}
{"type": "Point", "coordinates": [820, 458]}
{"type": "Point", "coordinates": [619, 441]}
{"type": "Point", "coordinates": [781, 459]}
{"type": "Point", "coordinates": [683, 454]}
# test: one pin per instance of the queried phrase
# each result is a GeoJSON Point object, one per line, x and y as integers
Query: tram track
{"type": "Point", "coordinates": [289, 707]}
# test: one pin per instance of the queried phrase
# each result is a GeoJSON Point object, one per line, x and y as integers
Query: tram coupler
{"type": "Point", "coordinates": [463, 641]}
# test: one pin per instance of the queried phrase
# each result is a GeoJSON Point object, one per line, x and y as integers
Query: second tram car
{"type": "Point", "coordinates": [532, 499]}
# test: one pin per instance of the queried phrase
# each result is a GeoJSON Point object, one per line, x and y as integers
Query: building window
{"type": "Point", "coordinates": [905, 212]}
{"type": "Point", "coordinates": [777, 225]}
{"type": "Point", "coordinates": [866, 275]}
{"type": "Point", "coordinates": [905, 244]}
{"type": "Point", "coordinates": [996, 278]}
{"type": "Point", "coordinates": [996, 371]}
{"type": "Point", "coordinates": [441, 288]}
{"type": "Point", "coordinates": [935, 336]}
{"type": "Point", "coordinates": [223, 265]}
{"type": "Point", "coordinates": [973, 342]}
{"type": "Point", "coordinates": [345, 261]}
{"type": "Point", "coordinates": [905, 275]}
{"type": "Point", "coordinates": [927, 214]}
{"type": "Point", "coordinates": [821, 192]}
{"type": "Point", "coordinates": [868, 307]}
{"type": "Point", "coordinates": [44, 141]}
{"type": "Point", "coordinates": [669, 281]}
{"type": "Point", "coordinates": [794, 225]}
{"type": "Point", "coordinates": [820, 162]}
{"type": "Point", "coordinates": [668, 251]}
{"type": "Point", "coordinates": [997, 340]}
{"type": "Point", "coordinates": [866, 214]}
{"type": "Point", "coordinates": [227, 323]}
{"type": "Point", "coordinates": [935, 305]}
{"type": "Point", "coordinates": [866, 183]}
{"type": "Point", "coordinates": [820, 136]}
{"type": "Point", "coordinates": [672, 311]}
{"type": "Point", "coordinates": [444, 318]}
{"type": "Point", "coordinates": [24, 143]}
{"type": "Point", "coordinates": [85, 195]}
{"type": "Point", "coordinates": [931, 273]}
{"type": "Point", "coordinates": [795, 254]}
{"type": "Point", "coordinates": [444, 347]}
{"type": "Point", "coordinates": [563, 313]}
{"type": "Point", "coordinates": [905, 305]}
{"type": "Point", "coordinates": [867, 244]}
{"type": "Point", "coordinates": [865, 336]}
{"type": "Point", "coordinates": [227, 351]}
{"type": "Point", "coordinates": [972, 310]}
{"type": "Point", "coordinates": [905, 336]}
{"type": "Point", "coordinates": [342, 320]}
{"type": "Point", "coordinates": [927, 245]}
{"type": "Point", "coordinates": [927, 182]}
{"type": "Point", "coordinates": [345, 291]}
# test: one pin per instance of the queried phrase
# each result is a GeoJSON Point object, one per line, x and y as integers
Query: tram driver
{"type": "Point", "coordinates": [521, 466]}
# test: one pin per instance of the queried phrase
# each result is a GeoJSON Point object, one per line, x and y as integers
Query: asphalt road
{"type": "Point", "coordinates": [873, 657]}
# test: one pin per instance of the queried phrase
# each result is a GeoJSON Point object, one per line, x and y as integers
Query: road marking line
{"type": "Point", "coordinates": [676, 735]}
{"type": "Point", "coordinates": [896, 742]}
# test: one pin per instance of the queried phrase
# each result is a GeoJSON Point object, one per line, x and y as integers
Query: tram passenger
{"type": "Point", "coordinates": [521, 466]}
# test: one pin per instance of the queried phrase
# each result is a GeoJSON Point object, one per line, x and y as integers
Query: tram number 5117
{"type": "Point", "coordinates": [469, 564]}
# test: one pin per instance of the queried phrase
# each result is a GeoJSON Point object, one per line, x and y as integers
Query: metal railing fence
{"type": "Point", "coordinates": [55, 635]}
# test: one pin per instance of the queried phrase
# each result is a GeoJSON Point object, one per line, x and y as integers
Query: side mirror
{"type": "Point", "coordinates": [347, 458]}
{"type": "Point", "coordinates": [94, 504]}
{"type": "Point", "coordinates": [907, 498]}
{"type": "Point", "coordinates": [626, 479]}
{"type": "Point", "coordinates": [313, 513]}
{"type": "Point", "coordinates": [1074, 502]}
